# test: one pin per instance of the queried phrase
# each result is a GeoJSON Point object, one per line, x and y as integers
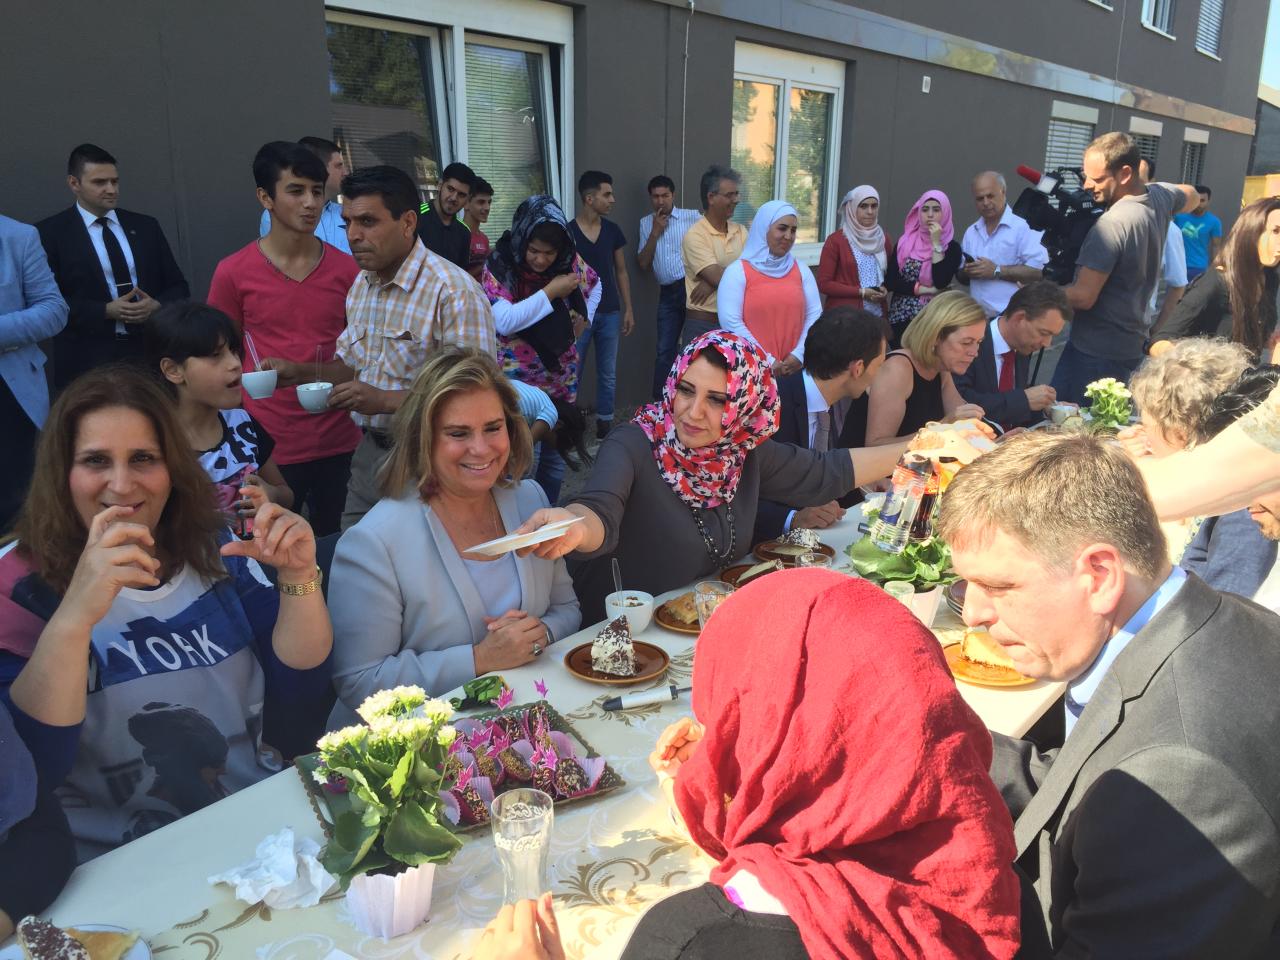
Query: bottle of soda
{"type": "Point", "coordinates": [922, 525]}
{"type": "Point", "coordinates": [892, 529]}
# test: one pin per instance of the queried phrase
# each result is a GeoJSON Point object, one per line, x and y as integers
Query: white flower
{"type": "Point", "coordinates": [437, 710]}
{"type": "Point", "coordinates": [397, 701]}
{"type": "Point", "coordinates": [319, 777]}
{"type": "Point", "coordinates": [338, 740]}
{"type": "Point", "coordinates": [446, 735]}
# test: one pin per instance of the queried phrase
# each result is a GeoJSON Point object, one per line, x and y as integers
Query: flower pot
{"type": "Point", "coordinates": [925, 605]}
{"type": "Point", "coordinates": [388, 906]}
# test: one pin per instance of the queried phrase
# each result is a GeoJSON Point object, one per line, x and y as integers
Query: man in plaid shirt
{"type": "Point", "coordinates": [406, 303]}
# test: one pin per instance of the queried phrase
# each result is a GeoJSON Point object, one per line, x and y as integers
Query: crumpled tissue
{"type": "Point", "coordinates": [283, 874]}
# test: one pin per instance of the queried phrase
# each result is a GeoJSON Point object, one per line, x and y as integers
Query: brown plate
{"type": "Point", "coordinates": [651, 663]}
{"type": "Point", "coordinates": [982, 674]}
{"type": "Point", "coordinates": [769, 551]}
{"type": "Point", "coordinates": [730, 575]}
{"type": "Point", "coordinates": [664, 618]}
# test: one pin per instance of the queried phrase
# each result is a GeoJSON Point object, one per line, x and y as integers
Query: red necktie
{"type": "Point", "coordinates": [1006, 372]}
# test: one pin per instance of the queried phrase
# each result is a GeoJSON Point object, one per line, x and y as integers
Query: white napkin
{"type": "Point", "coordinates": [284, 873]}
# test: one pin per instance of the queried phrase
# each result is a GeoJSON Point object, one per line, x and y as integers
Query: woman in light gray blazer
{"type": "Point", "coordinates": [408, 605]}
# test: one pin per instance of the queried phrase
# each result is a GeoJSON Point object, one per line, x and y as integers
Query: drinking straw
{"type": "Point", "coordinates": [317, 363]}
{"type": "Point", "coordinates": [253, 353]}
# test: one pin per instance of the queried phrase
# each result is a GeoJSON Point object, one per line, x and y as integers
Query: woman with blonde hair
{"type": "Point", "coordinates": [914, 385]}
{"type": "Point", "coordinates": [409, 604]}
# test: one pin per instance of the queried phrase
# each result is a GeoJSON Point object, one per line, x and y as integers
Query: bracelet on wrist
{"type": "Point", "coordinates": [301, 589]}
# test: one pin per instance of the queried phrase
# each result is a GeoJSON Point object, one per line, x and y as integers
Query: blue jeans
{"type": "Point", "coordinates": [548, 469]}
{"type": "Point", "coordinates": [604, 331]}
{"type": "Point", "coordinates": [1076, 370]}
{"type": "Point", "coordinates": [670, 323]}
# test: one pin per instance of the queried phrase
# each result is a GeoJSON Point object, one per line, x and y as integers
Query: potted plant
{"type": "Point", "coordinates": [925, 564]}
{"type": "Point", "coordinates": [385, 847]}
{"type": "Point", "coordinates": [1110, 405]}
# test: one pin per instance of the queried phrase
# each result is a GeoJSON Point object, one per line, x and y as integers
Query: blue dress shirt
{"type": "Point", "coordinates": [1082, 689]}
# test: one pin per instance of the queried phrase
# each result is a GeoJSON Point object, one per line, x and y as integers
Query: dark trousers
{"type": "Point", "coordinates": [322, 486]}
{"type": "Point", "coordinates": [670, 323]}
{"type": "Point", "coordinates": [76, 355]}
{"type": "Point", "coordinates": [1076, 370]}
{"type": "Point", "coordinates": [20, 455]}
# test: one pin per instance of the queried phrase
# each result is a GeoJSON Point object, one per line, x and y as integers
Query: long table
{"type": "Point", "coordinates": [611, 857]}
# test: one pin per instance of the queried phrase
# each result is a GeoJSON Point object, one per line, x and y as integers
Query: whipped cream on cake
{"type": "Point", "coordinates": [801, 537]}
{"type": "Point", "coordinates": [612, 651]}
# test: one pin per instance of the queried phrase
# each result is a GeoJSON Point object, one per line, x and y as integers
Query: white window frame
{"type": "Point", "coordinates": [435, 52]}
{"type": "Point", "coordinates": [557, 179]}
{"type": "Point", "coordinates": [1149, 8]}
{"type": "Point", "coordinates": [760, 64]}
{"type": "Point", "coordinates": [537, 22]}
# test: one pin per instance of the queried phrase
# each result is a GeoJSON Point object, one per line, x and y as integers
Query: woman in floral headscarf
{"type": "Point", "coordinates": [673, 494]}
{"type": "Point", "coordinates": [855, 258]}
{"type": "Point", "coordinates": [926, 260]}
{"type": "Point", "coordinates": [543, 296]}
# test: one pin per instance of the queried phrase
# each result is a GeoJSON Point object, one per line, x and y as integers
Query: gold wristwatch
{"type": "Point", "coordinates": [301, 589]}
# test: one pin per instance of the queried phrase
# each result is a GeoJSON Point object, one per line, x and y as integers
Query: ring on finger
{"type": "Point", "coordinates": [537, 649]}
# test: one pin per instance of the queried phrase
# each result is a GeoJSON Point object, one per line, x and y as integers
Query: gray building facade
{"type": "Point", "coordinates": [808, 97]}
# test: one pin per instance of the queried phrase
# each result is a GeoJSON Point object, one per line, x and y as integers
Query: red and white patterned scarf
{"type": "Point", "coordinates": [708, 476]}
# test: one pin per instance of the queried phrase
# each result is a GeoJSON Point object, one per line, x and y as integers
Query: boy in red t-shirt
{"type": "Point", "coordinates": [287, 292]}
{"type": "Point", "coordinates": [475, 214]}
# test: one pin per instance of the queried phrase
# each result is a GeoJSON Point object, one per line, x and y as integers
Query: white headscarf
{"type": "Point", "coordinates": [756, 250]}
{"type": "Point", "coordinates": [870, 240]}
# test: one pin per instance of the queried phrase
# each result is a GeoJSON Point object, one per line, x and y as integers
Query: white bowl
{"type": "Point", "coordinates": [639, 615]}
{"type": "Point", "coordinates": [259, 384]}
{"type": "Point", "coordinates": [1059, 412]}
{"type": "Point", "coordinates": [314, 397]}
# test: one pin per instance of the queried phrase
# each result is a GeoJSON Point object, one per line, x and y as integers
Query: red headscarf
{"type": "Point", "coordinates": [842, 769]}
{"type": "Point", "coordinates": [917, 244]}
{"type": "Point", "coordinates": [708, 476]}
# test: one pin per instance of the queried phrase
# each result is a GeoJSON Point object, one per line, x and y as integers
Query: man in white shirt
{"type": "Point", "coordinates": [843, 351]}
{"type": "Point", "coordinates": [661, 241]}
{"type": "Point", "coordinates": [1001, 250]}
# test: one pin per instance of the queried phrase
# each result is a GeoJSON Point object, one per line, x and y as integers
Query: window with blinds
{"type": "Point", "coordinates": [1066, 143]}
{"type": "Point", "coordinates": [1158, 14]}
{"type": "Point", "coordinates": [1148, 146]}
{"type": "Point", "coordinates": [1209, 27]}
{"type": "Point", "coordinates": [1192, 163]}
{"type": "Point", "coordinates": [380, 90]}
{"type": "Point", "coordinates": [507, 125]}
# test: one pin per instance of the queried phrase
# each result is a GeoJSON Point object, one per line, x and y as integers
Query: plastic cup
{"type": "Point", "coordinates": [707, 596]}
{"type": "Point", "coordinates": [900, 590]}
{"type": "Point", "coordinates": [820, 560]}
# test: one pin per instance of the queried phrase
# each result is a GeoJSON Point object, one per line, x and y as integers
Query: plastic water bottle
{"type": "Point", "coordinates": [892, 530]}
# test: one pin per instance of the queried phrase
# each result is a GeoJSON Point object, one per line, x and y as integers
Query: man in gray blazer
{"type": "Point", "coordinates": [31, 310]}
{"type": "Point", "coordinates": [1153, 831]}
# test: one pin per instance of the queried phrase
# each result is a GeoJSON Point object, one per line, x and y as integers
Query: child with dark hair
{"type": "Point", "coordinates": [196, 349]}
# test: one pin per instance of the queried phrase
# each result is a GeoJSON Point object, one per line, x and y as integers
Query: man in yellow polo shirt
{"type": "Point", "coordinates": [710, 245]}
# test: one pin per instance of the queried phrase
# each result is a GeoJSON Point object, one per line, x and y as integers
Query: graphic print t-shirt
{"type": "Point", "coordinates": [173, 720]}
{"type": "Point", "coordinates": [245, 447]}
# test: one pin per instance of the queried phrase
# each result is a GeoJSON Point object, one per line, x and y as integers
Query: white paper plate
{"type": "Point", "coordinates": [139, 951]}
{"type": "Point", "coordinates": [518, 541]}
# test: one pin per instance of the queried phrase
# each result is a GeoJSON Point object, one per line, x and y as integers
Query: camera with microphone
{"type": "Point", "coordinates": [1065, 215]}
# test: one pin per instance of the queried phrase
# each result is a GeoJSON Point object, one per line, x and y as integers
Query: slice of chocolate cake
{"type": "Point", "coordinates": [612, 651]}
{"type": "Point", "coordinates": [41, 940]}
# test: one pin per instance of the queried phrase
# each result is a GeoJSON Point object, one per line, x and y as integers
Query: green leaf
{"type": "Point", "coordinates": [352, 840]}
{"type": "Point", "coordinates": [415, 836]}
{"type": "Point", "coordinates": [397, 780]}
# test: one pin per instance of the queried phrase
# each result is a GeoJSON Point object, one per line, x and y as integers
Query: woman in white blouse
{"type": "Point", "coordinates": [409, 605]}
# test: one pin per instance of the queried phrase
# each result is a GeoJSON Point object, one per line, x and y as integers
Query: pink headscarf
{"type": "Point", "coordinates": [916, 243]}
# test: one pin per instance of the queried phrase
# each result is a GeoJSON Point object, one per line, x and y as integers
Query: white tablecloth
{"type": "Point", "coordinates": [612, 857]}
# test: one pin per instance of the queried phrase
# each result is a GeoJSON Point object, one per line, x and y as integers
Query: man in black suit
{"type": "Point", "coordinates": [1152, 832]}
{"type": "Point", "coordinates": [842, 352]}
{"type": "Point", "coordinates": [997, 380]}
{"type": "Point", "coordinates": [114, 268]}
